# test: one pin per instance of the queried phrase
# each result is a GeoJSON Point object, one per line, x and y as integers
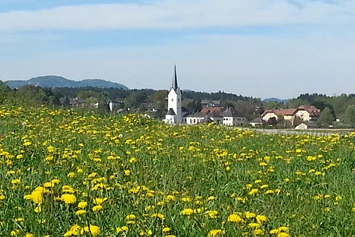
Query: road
{"type": "Point", "coordinates": [300, 132]}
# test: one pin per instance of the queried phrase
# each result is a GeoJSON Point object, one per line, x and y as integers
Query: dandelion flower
{"type": "Point", "coordinates": [68, 198]}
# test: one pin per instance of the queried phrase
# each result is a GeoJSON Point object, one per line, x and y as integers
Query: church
{"type": "Point", "coordinates": [174, 114]}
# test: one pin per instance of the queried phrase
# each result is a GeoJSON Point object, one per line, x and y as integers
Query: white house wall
{"type": "Point", "coordinates": [233, 121]}
{"type": "Point", "coordinates": [267, 116]}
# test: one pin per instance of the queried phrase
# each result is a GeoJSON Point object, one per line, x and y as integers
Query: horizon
{"type": "Point", "coordinates": [182, 89]}
{"type": "Point", "coordinates": [249, 48]}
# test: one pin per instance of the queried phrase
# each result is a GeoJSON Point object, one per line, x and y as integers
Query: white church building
{"type": "Point", "coordinates": [174, 114]}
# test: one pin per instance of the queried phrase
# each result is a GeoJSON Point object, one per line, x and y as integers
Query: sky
{"type": "Point", "coordinates": [259, 48]}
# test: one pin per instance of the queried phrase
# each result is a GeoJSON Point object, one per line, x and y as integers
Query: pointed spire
{"type": "Point", "coordinates": [175, 83]}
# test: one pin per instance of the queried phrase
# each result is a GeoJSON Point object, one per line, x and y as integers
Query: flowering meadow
{"type": "Point", "coordinates": [69, 173]}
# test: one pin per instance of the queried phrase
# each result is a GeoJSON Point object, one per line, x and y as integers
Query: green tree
{"type": "Point", "coordinates": [194, 106]}
{"type": "Point", "coordinates": [32, 95]}
{"type": "Point", "coordinates": [66, 102]}
{"type": "Point", "coordinates": [294, 103]}
{"type": "Point", "coordinates": [4, 92]}
{"type": "Point", "coordinates": [349, 116]}
{"type": "Point", "coordinates": [326, 116]}
{"type": "Point", "coordinates": [135, 99]}
{"type": "Point", "coordinates": [85, 94]}
{"type": "Point", "coordinates": [273, 105]}
{"type": "Point", "coordinates": [159, 96]}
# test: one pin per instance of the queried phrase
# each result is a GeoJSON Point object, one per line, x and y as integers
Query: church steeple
{"type": "Point", "coordinates": [175, 83]}
{"type": "Point", "coordinates": [174, 115]}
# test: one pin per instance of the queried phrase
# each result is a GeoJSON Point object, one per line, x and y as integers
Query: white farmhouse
{"type": "Point", "coordinates": [204, 117]}
{"type": "Point", "coordinates": [232, 117]}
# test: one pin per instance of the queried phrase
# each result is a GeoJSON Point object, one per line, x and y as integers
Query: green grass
{"type": "Point", "coordinates": [153, 171]}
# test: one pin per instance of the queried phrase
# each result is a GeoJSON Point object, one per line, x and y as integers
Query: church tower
{"type": "Point", "coordinates": [174, 114]}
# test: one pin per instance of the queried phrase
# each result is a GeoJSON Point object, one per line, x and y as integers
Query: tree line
{"type": "Point", "coordinates": [332, 107]}
{"type": "Point", "coordinates": [134, 100]}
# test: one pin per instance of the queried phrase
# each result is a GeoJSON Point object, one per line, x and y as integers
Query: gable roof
{"type": "Point", "coordinates": [231, 112]}
{"type": "Point", "coordinates": [309, 124]}
{"type": "Point", "coordinates": [258, 121]}
{"type": "Point", "coordinates": [312, 110]}
{"type": "Point", "coordinates": [170, 112]}
{"type": "Point", "coordinates": [206, 113]}
{"type": "Point", "coordinates": [211, 109]}
{"type": "Point", "coordinates": [280, 112]}
{"type": "Point", "coordinates": [206, 120]}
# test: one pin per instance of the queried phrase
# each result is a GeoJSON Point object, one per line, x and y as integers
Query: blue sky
{"type": "Point", "coordinates": [260, 48]}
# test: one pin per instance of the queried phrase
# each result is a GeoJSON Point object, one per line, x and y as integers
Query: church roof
{"type": "Point", "coordinates": [175, 82]}
{"type": "Point", "coordinates": [170, 112]}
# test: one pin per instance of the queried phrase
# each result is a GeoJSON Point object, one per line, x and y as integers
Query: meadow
{"type": "Point", "coordinates": [70, 173]}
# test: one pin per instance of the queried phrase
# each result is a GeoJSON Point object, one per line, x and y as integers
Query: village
{"type": "Point", "coordinates": [171, 108]}
{"type": "Point", "coordinates": [302, 117]}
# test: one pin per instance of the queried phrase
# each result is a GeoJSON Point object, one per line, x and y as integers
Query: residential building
{"type": "Point", "coordinates": [149, 107]}
{"type": "Point", "coordinates": [307, 125]}
{"type": "Point", "coordinates": [286, 114]}
{"type": "Point", "coordinates": [211, 109]}
{"type": "Point", "coordinates": [210, 103]}
{"type": "Point", "coordinates": [308, 113]}
{"type": "Point", "coordinates": [303, 112]}
{"type": "Point", "coordinates": [228, 117]}
{"type": "Point", "coordinates": [257, 122]}
{"type": "Point", "coordinates": [202, 116]}
{"type": "Point", "coordinates": [113, 105]}
{"type": "Point", "coordinates": [231, 117]}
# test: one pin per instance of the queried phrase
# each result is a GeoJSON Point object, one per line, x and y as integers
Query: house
{"type": "Point", "coordinates": [308, 113]}
{"type": "Point", "coordinates": [286, 114]}
{"type": "Point", "coordinates": [211, 109]}
{"type": "Point", "coordinates": [228, 117]}
{"type": "Point", "coordinates": [200, 117]}
{"type": "Point", "coordinates": [149, 107]}
{"type": "Point", "coordinates": [113, 105]}
{"type": "Point", "coordinates": [307, 125]}
{"type": "Point", "coordinates": [231, 117]}
{"type": "Point", "coordinates": [210, 103]}
{"type": "Point", "coordinates": [257, 122]}
{"type": "Point", "coordinates": [339, 117]}
{"type": "Point", "coordinates": [303, 112]}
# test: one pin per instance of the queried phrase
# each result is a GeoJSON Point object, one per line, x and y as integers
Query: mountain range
{"type": "Point", "coordinates": [57, 81]}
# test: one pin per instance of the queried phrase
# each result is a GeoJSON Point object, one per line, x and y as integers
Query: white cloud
{"type": "Point", "coordinates": [178, 14]}
{"type": "Point", "coordinates": [280, 65]}
{"type": "Point", "coordinates": [260, 66]}
{"type": "Point", "coordinates": [28, 38]}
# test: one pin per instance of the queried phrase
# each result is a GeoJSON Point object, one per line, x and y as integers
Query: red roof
{"type": "Point", "coordinates": [211, 109]}
{"type": "Point", "coordinates": [312, 110]}
{"type": "Point", "coordinates": [280, 112]}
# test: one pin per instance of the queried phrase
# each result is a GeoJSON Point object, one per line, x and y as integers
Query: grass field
{"type": "Point", "coordinates": [63, 173]}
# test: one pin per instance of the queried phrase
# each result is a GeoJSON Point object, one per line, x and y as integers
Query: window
{"type": "Point", "coordinates": [172, 99]}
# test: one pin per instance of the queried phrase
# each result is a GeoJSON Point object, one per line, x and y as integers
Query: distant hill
{"type": "Point", "coordinates": [283, 101]}
{"type": "Point", "coordinates": [56, 81]}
